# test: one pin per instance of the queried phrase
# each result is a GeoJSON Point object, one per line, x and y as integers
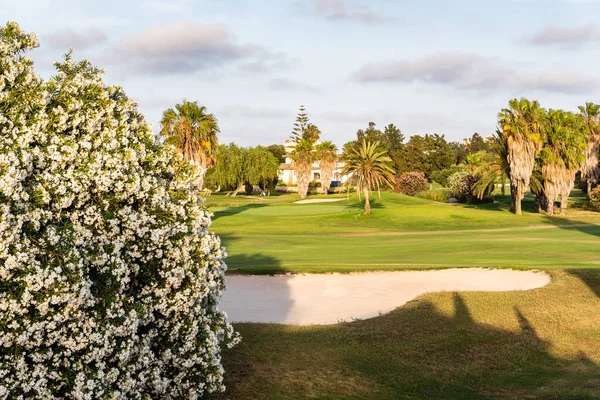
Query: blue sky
{"type": "Point", "coordinates": [427, 66]}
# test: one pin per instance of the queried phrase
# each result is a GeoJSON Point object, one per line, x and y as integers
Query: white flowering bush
{"type": "Point", "coordinates": [458, 185]}
{"type": "Point", "coordinates": [109, 279]}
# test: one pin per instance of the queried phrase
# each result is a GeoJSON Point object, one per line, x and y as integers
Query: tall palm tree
{"type": "Point", "coordinates": [520, 124]}
{"type": "Point", "coordinates": [192, 131]}
{"type": "Point", "coordinates": [327, 155]}
{"type": "Point", "coordinates": [562, 155]}
{"type": "Point", "coordinates": [590, 170]}
{"type": "Point", "coordinates": [369, 168]}
{"type": "Point", "coordinates": [303, 156]}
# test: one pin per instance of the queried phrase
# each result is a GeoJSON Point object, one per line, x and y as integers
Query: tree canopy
{"type": "Point", "coordinates": [369, 168]}
{"type": "Point", "coordinates": [193, 131]}
{"type": "Point", "coordinates": [238, 166]}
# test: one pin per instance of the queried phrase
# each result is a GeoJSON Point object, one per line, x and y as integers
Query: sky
{"type": "Point", "coordinates": [427, 66]}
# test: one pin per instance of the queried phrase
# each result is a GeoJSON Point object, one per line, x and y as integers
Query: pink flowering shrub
{"type": "Point", "coordinates": [411, 183]}
{"type": "Point", "coordinates": [109, 277]}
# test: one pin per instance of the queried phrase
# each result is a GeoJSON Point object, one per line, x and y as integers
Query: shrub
{"type": "Point", "coordinates": [457, 185]}
{"type": "Point", "coordinates": [461, 186]}
{"type": "Point", "coordinates": [439, 195]}
{"type": "Point", "coordinates": [411, 183]}
{"type": "Point", "coordinates": [110, 280]}
{"type": "Point", "coordinates": [441, 176]}
{"type": "Point", "coordinates": [595, 197]}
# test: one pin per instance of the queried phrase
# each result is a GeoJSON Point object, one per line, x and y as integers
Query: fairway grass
{"type": "Point", "coordinates": [277, 236]}
{"type": "Point", "coordinates": [538, 344]}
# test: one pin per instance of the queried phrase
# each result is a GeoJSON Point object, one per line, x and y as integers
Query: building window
{"type": "Point", "coordinates": [317, 177]}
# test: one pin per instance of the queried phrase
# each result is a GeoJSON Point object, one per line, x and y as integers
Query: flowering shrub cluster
{"type": "Point", "coordinates": [462, 185]}
{"type": "Point", "coordinates": [109, 279]}
{"type": "Point", "coordinates": [411, 183]}
{"type": "Point", "coordinates": [595, 197]}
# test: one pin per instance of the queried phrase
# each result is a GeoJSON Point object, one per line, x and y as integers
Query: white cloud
{"type": "Point", "coordinates": [344, 10]}
{"type": "Point", "coordinates": [186, 47]}
{"type": "Point", "coordinates": [78, 40]}
{"type": "Point", "coordinates": [572, 36]}
{"type": "Point", "coordinates": [464, 71]}
{"type": "Point", "coordinates": [290, 85]}
{"type": "Point", "coordinates": [475, 72]}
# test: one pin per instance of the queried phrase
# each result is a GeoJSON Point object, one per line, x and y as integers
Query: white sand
{"type": "Point", "coordinates": [317, 201]}
{"type": "Point", "coordinates": [331, 298]}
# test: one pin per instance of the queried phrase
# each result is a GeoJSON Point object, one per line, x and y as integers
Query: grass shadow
{"type": "Point", "coordinates": [256, 298]}
{"type": "Point", "coordinates": [495, 206]}
{"type": "Point", "coordinates": [502, 203]}
{"type": "Point", "coordinates": [231, 211]}
{"type": "Point", "coordinates": [259, 262]}
{"type": "Point", "coordinates": [562, 223]}
{"type": "Point", "coordinates": [415, 352]}
{"type": "Point", "coordinates": [591, 277]}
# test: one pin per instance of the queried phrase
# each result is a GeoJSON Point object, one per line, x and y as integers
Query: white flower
{"type": "Point", "coordinates": [113, 277]}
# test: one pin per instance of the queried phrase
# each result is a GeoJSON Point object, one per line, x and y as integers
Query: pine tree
{"type": "Point", "coordinates": [301, 124]}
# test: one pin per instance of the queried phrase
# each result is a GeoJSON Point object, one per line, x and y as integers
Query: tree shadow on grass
{"type": "Point", "coordinates": [502, 203]}
{"type": "Point", "coordinates": [415, 352]}
{"type": "Point", "coordinates": [591, 277]}
{"type": "Point", "coordinates": [562, 223]}
{"type": "Point", "coordinates": [230, 211]}
{"type": "Point", "coordinates": [495, 206]}
{"type": "Point", "coordinates": [257, 263]}
{"type": "Point", "coordinates": [360, 206]}
{"type": "Point", "coordinates": [256, 298]}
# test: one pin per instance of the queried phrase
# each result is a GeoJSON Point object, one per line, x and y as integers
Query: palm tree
{"type": "Point", "coordinates": [562, 155]}
{"type": "Point", "coordinates": [303, 156]}
{"type": "Point", "coordinates": [327, 155]}
{"type": "Point", "coordinates": [536, 186]}
{"type": "Point", "coordinates": [590, 171]}
{"type": "Point", "coordinates": [520, 124]}
{"type": "Point", "coordinates": [192, 131]}
{"type": "Point", "coordinates": [369, 167]}
{"type": "Point", "coordinates": [494, 167]}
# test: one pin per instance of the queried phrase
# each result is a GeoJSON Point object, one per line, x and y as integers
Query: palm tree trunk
{"type": "Point", "coordinates": [513, 197]}
{"type": "Point", "coordinates": [367, 204]}
{"type": "Point", "coordinates": [201, 181]}
{"type": "Point", "coordinates": [550, 206]}
{"type": "Point", "coordinates": [518, 198]}
{"type": "Point", "coordinates": [203, 166]}
{"type": "Point", "coordinates": [564, 202]}
{"type": "Point", "coordinates": [303, 171]}
{"type": "Point", "coordinates": [327, 168]}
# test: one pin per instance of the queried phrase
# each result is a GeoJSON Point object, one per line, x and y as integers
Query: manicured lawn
{"type": "Point", "coordinates": [539, 344]}
{"type": "Point", "coordinates": [275, 235]}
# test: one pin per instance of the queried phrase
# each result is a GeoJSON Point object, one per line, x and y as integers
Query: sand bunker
{"type": "Point", "coordinates": [331, 298]}
{"type": "Point", "coordinates": [317, 201]}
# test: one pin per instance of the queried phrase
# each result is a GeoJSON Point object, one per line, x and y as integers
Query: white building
{"type": "Point", "coordinates": [287, 174]}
